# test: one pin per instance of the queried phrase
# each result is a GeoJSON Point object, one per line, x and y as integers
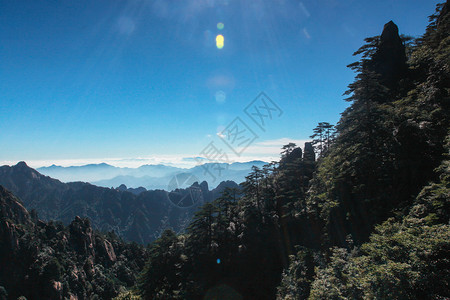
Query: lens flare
{"type": "Point", "coordinates": [220, 96]}
{"type": "Point", "coordinates": [220, 25]}
{"type": "Point", "coordinates": [220, 41]}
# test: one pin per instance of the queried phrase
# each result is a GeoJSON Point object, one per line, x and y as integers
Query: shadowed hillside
{"type": "Point", "coordinates": [47, 260]}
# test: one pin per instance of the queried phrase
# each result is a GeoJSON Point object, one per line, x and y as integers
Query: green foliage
{"type": "Point", "coordinates": [234, 237]}
{"type": "Point", "coordinates": [406, 259]}
{"type": "Point", "coordinates": [323, 137]}
{"type": "Point", "coordinates": [296, 279]}
{"type": "Point", "coordinates": [388, 141]}
{"type": "Point", "coordinates": [388, 144]}
{"type": "Point", "coordinates": [160, 278]}
{"type": "Point", "coordinates": [127, 296]}
{"type": "Point", "coordinates": [363, 222]}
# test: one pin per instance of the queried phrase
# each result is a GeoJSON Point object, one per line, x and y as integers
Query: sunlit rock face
{"type": "Point", "coordinates": [81, 236]}
{"type": "Point", "coordinates": [11, 211]}
{"type": "Point", "coordinates": [11, 208]}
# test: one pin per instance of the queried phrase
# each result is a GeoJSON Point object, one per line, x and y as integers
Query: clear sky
{"type": "Point", "coordinates": [138, 81]}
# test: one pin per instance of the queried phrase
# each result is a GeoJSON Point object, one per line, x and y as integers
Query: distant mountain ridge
{"type": "Point", "coordinates": [149, 176]}
{"type": "Point", "coordinates": [140, 218]}
{"type": "Point", "coordinates": [102, 171]}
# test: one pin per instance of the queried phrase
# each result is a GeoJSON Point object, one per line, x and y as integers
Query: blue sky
{"type": "Point", "coordinates": [136, 81]}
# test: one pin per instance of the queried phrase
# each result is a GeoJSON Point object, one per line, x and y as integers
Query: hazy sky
{"type": "Point", "coordinates": [141, 81]}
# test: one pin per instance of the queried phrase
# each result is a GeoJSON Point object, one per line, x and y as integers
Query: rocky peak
{"type": "Point", "coordinates": [293, 156]}
{"type": "Point", "coordinates": [21, 164]}
{"type": "Point", "coordinates": [308, 153]}
{"type": "Point", "coordinates": [217, 192]}
{"type": "Point", "coordinates": [390, 33]}
{"type": "Point", "coordinates": [195, 185]}
{"type": "Point", "coordinates": [226, 184]}
{"type": "Point", "coordinates": [22, 167]}
{"type": "Point", "coordinates": [122, 188]}
{"type": "Point", "coordinates": [389, 60]}
{"type": "Point", "coordinates": [204, 186]}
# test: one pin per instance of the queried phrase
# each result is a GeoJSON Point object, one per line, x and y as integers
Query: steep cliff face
{"type": "Point", "coordinates": [81, 236]}
{"type": "Point", "coordinates": [12, 212]}
{"type": "Point", "coordinates": [12, 208]}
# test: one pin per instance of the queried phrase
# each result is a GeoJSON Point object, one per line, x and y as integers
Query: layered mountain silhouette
{"type": "Point", "coordinates": [149, 176]}
{"type": "Point", "coordinates": [140, 216]}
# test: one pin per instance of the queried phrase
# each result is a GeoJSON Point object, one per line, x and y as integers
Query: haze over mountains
{"type": "Point", "coordinates": [150, 177]}
{"type": "Point", "coordinates": [140, 218]}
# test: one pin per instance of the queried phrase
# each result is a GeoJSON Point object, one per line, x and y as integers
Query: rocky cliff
{"type": "Point", "coordinates": [47, 260]}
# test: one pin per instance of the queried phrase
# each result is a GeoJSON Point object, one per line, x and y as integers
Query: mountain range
{"type": "Point", "coordinates": [150, 177]}
{"type": "Point", "coordinates": [139, 217]}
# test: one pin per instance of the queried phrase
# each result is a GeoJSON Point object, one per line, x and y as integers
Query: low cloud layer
{"type": "Point", "coordinates": [267, 150]}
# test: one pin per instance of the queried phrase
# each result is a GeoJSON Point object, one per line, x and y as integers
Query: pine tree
{"type": "Point", "coordinates": [323, 137]}
{"type": "Point", "coordinates": [161, 276]}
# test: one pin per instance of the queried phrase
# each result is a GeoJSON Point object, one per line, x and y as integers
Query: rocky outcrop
{"type": "Point", "coordinates": [308, 152]}
{"type": "Point", "coordinates": [47, 260]}
{"type": "Point", "coordinates": [12, 208]}
{"type": "Point", "coordinates": [294, 156]}
{"type": "Point", "coordinates": [204, 187]}
{"type": "Point", "coordinates": [81, 236]}
{"type": "Point", "coordinates": [56, 290]}
{"type": "Point", "coordinates": [122, 188]}
{"type": "Point", "coordinates": [217, 192]}
{"type": "Point", "coordinates": [9, 236]}
{"type": "Point", "coordinates": [82, 239]}
{"type": "Point", "coordinates": [12, 212]}
{"type": "Point", "coordinates": [109, 250]}
{"type": "Point", "coordinates": [389, 61]}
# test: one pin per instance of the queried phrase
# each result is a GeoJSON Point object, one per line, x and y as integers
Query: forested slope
{"type": "Point", "coordinates": [367, 219]}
